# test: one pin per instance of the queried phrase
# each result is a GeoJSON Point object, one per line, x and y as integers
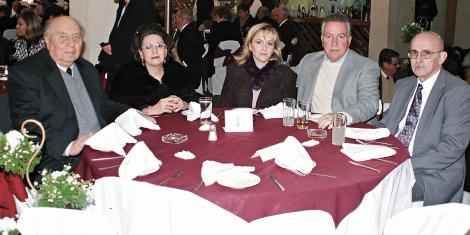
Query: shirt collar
{"type": "Point", "coordinates": [184, 26]}
{"type": "Point", "coordinates": [340, 61]}
{"type": "Point", "coordinates": [429, 83]}
{"type": "Point", "coordinates": [282, 22]}
{"type": "Point", "coordinates": [64, 68]}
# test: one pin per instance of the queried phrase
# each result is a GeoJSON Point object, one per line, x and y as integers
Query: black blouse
{"type": "Point", "coordinates": [134, 86]}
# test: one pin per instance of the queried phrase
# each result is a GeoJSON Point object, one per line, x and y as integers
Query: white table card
{"type": "Point", "coordinates": [239, 120]}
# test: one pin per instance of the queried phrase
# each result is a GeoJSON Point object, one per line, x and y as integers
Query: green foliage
{"type": "Point", "coordinates": [410, 30]}
{"type": "Point", "coordinates": [63, 189]}
{"type": "Point", "coordinates": [15, 152]}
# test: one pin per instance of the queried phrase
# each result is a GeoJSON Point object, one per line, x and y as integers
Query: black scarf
{"type": "Point", "coordinates": [257, 76]}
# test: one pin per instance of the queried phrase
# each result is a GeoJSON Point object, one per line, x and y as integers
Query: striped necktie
{"type": "Point", "coordinates": [412, 119]}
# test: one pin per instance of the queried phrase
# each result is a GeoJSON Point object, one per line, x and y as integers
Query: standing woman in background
{"type": "Point", "coordinates": [30, 36]}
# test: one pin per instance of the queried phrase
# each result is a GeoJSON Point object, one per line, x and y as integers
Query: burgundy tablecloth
{"type": "Point", "coordinates": [337, 196]}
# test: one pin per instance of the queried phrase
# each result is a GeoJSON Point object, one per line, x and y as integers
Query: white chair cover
{"type": "Point", "coordinates": [444, 219]}
{"type": "Point", "coordinates": [56, 221]}
{"type": "Point", "coordinates": [10, 34]}
{"type": "Point", "coordinates": [141, 208]}
{"type": "Point", "coordinates": [216, 82]}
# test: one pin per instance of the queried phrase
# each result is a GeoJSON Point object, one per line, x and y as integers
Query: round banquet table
{"type": "Point", "coordinates": [338, 196]}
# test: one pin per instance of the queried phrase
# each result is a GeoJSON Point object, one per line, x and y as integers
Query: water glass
{"type": "Point", "coordinates": [206, 110]}
{"type": "Point", "coordinates": [303, 113]}
{"type": "Point", "coordinates": [288, 111]}
{"type": "Point", "coordinates": [339, 128]}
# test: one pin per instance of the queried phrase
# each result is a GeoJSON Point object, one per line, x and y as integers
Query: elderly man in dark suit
{"type": "Point", "coordinates": [285, 28]}
{"type": "Point", "coordinates": [61, 90]}
{"type": "Point", "coordinates": [189, 46]}
{"type": "Point", "coordinates": [430, 115]}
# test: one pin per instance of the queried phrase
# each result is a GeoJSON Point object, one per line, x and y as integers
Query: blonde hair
{"type": "Point", "coordinates": [245, 53]}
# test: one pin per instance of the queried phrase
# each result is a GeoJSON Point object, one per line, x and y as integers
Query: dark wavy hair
{"type": "Point", "coordinates": [145, 30]}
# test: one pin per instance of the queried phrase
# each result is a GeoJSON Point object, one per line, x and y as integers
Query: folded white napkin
{"type": "Point", "coordinates": [212, 171]}
{"type": "Point", "coordinates": [272, 151]}
{"type": "Point", "coordinates": [293, 156]}
{"type": "Point", "coordinates": [110, 138]}
{"type": "Point", "coordinates": [132, 120]}
{"type": "Point", "coordinates": [361, 152]}
{"type": "Point", "coordinates": [315, 117]}
{"type": "Point", "coordinates": [366, 134]}
{"type": "Point", "coordinates": [194, 112]}
{"type": "Point", "coordinates": [138, 162]}
{"type": "Point", "coordinates": [186, 155]}
{"type": "Point", "coordinates": [273, 111]}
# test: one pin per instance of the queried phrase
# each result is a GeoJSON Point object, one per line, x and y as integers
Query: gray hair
{"type": "Point", "coordinates": [341, 18]}
{"type": "Point", "coordinates": [284, 11]}
{"type": "Point", "coordinates": [50, 22]}
{"type": "Point", "coordinates": [186, 14]}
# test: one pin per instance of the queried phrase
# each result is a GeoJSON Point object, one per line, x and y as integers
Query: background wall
{"type": "Point", "coordinates": [97, 18]}
{"type": "Point", "coordinates": [462, 27]}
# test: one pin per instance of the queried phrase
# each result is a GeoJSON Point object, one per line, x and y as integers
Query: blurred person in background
{"type": "Point", "coordinates": [30, 36]}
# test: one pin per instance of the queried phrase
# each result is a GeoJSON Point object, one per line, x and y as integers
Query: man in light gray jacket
{"type": "Point", "coordinates": [338, 79]}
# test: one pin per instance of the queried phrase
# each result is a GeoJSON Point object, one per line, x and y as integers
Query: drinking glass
{"type": "Point", "coordinates": [339, 128]}
{"type": "Point", "coordinates": [288, 111]}
{"type": "Point", "coordinates": [303, 113]}
{"type": "Point", "coordinates": [206, 110]}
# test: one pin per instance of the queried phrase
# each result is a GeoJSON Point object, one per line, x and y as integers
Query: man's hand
{"type": "Point", "coordinates": [78, 144]}
{"type": "Point", "coordinates": [326, 121]}
{"type": "Point", "coordinates": [107, 49]}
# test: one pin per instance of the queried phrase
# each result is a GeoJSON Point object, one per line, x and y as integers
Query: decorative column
{"type": "Point", "coordinates": [97, 18]}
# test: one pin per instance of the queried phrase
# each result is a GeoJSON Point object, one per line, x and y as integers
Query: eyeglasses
{"type": "Point", "coordinates": [425, 54]}
{"type": "Point", "coordinates": [150, 46]}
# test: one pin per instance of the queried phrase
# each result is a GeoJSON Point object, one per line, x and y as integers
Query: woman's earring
{"type": "Point", "coordinates": [143, 62]}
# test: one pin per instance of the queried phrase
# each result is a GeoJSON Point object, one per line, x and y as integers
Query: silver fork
{"type": "Point", "coordinates": [312, 173]}
{"type": "Point", "coordinates": [371, 142]}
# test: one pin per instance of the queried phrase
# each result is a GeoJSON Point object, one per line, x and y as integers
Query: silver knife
{"type": "Point", "coordinates": [172, 177]}
{"type": "Point", "coordinates": [367, 167]}
{"type": "Point", "coordinates": [276, 183]}
{"type": "Point", "coordinates": [383, 160]}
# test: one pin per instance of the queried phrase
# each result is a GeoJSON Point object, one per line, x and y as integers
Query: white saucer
{"type": "Point", "coordinates": [239, 181]}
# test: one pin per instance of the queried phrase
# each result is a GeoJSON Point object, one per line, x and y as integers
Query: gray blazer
{"type": "Point", "coordinates": [441, 137]}
{"type": "Point", "coordinates": [356, 90]}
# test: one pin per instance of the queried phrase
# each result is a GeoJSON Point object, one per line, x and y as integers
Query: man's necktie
{"type": "Point", "coordinates": [69, 71]}
{"type": "Point", "coordinates": [176, 36]}
{"type": "Point", "coordinates": [412, 118]}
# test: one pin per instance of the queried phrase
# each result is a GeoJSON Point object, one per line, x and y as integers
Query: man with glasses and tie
{"type": "Point", "coordinates": [63, 92]}
{"type": "Point", "coordinates": [430, 115]}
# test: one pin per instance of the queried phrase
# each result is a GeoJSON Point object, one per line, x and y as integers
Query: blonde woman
{"type": "Point", "coordinates": [258, 79]}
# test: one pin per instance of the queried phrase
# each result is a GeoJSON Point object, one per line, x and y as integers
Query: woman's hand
{"type": "Point", "coordinates": [179, 104]}
{"type": "Point", "coordinates": [165, 105]}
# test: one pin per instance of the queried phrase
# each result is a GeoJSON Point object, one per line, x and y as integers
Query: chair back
{"type": "Point", "coordinates": [449, 218]}
{"type": "Point", "coordinates": [223, 56]}
{"type": "Point", "coordinates": [10, 34]}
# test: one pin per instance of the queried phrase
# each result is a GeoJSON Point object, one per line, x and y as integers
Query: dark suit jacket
{"type": "Point", "coordinates": [137, 12]}
{"type": "Point", "coordinates": [204, 8]}
{"type": "Point", "coordinates": [237, 90]}
{"type": "Point", "coordinates": [441, 137]}
{"type": "Point", "coordinates": [222, 31]}
{"type": "Point", "coordinates": [37, 90]}
{"type": "Point", "coordinates": [134, 86]}
{"type": "Point", "coordinates": [286, 34]}
{"type": "Point", "coordinates": [245, 27]}
{"type": "Point", "coordinates": [190, 50]}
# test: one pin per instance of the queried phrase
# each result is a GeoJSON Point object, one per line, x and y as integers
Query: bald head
{"type": "Point", "coordinates": [64, 40]}
{"type": "Point", "coordinates": [427, 54]}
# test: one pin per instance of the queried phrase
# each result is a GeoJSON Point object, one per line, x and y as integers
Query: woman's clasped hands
{"type": "Point", "coordinates": [170, 104]}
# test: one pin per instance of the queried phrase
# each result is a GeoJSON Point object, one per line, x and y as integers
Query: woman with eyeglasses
{"type": "Point", "coordinates": [152, 83]}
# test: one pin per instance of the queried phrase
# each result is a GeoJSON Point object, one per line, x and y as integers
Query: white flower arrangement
{"type": "Point", "coordinates": [15, 152]}
{"type": "Point", "coordinates": [63, 189]}
{"type": "Point", "coordinates": [8, 226]}
{"type": "Point", "coordinates": [410, 30]}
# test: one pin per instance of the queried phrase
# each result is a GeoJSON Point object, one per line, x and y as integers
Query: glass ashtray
{"type": "Point", "coordinates": [174, 138]}
{"type": "Point", "coordinates": [316, 133]}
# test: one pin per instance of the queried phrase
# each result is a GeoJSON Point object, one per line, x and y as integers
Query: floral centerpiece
{"type": "Point", "coordinates": [63, 189]}
{"type": "Point", "coordinates": [15, 152]}
{"type": "Point", "coordinates": [8, 226]}
{"type": "Point", "coordinates": [410, 30]}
